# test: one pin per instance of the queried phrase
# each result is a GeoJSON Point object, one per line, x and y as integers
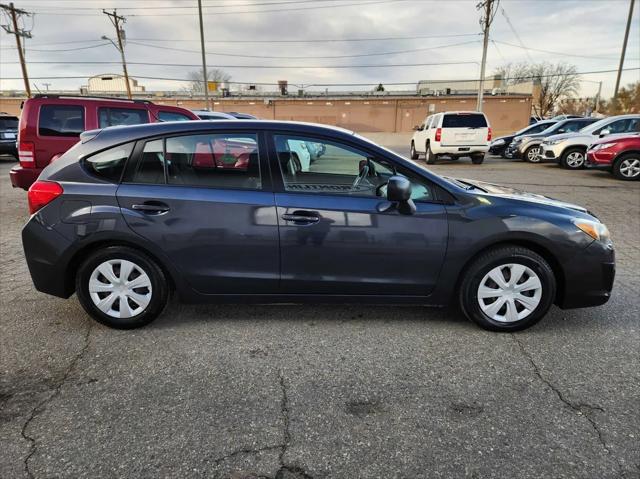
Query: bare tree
{"type": "Point", "coordinates": [627, 101]}
{"type": "Point", "coordinates": [555, 81]}
{"type": "Point", "coordinates": [196, 85]}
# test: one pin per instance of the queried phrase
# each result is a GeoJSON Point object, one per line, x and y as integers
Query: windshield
{"type": "Point", "coordinates": [535, 128]}
{"type": "Point", "coordinates": [9, 123]}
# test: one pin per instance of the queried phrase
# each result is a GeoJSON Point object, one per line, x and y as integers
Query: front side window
{"type": "Point", "coordinates": [626, 125]}
{"type": "Point", "coordinates": [574, 126]}
{"type": "Point", "coordinates": [121, 116]}
{"type": "Point", "coordinates": [340, 170]}
{"type": "Point", "coordinates": [164, 115]}
{"type": "Point", "coordinates": [109, 164]}
{"type": "Point", "coordinates": [61, 120]}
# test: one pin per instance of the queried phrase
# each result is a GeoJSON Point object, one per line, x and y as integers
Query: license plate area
{"type": "Point", "coordinates": [466, 148]}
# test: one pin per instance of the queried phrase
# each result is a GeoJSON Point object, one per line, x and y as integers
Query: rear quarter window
{"type": "Point", "coordinates": [164, 115]}
{"type": "Point", "coordinates": [109, 164]}
{"type": "Point", "coordinates": [470, 120]}
{"type": "Point", "coordinates": [61, 120]}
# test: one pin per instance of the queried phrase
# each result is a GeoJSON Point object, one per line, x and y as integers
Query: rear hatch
{"type": "Point", "coordinates": [464, 129]}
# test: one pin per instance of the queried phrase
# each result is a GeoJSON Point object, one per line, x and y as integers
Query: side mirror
{"type": "Point", "coordinates": [605, 132]}
{"type": "Point", "coordinates": [399, 196]}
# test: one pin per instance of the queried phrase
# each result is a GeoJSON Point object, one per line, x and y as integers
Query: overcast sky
{"type": "Point", "coordinates": [586, 33]}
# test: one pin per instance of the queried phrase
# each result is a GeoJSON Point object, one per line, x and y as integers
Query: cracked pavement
{"type": "Point", "coordinates": [326, 391]}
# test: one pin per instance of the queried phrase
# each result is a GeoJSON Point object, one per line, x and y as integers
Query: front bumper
{"type": "Point", "coordinates": [550, 152]}
{"type": "Point", "coordinates": [24, 177]}
{"type": "Point", "coordinates": [589, 277]}
{"type": "Point", "coordinates": [599, 160]}
{"type": "Point", "coordinates": [512, 152]}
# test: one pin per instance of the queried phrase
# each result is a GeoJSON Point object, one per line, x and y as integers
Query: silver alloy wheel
{"type": "Point", "coordinates": [533, 155]}
{"type": "Point", "coordinates": [575, 159]}
{"type": "Point", "coordinates": [630, 167]}
{"type": "Point", "coordinates": [509, 292]}
{"type": "Point", "coordinates": [120, 288]}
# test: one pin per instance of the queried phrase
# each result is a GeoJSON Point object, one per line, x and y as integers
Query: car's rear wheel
{"type": "Point", "coordinates": [507, 289]}
{"type": "Point", "coordinates": [532, 154]}
{"type": "Point", "coordinates": [477, 159]}
{"type": "Point", "coordinates": [627, 167]}
{"type": "Point", "coordinates": [414, 153]}
{"type": "Point", "coordinates": [429, 157]}
{"type": "Point", "coordinates": [121, 287]}
{"type": "Point", "coordinates": [573, 159]}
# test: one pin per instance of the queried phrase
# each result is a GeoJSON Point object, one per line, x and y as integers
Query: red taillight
{"type": "Point", "coordinates": [27, 153]}
{"type": "Point", "coordinates": [438, 134]}
{"type": "Point", "coordinates": [41, 193]}
{"type": "Point", "coordinates": [489, 134]}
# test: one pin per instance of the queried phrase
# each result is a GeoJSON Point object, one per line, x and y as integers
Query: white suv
{"type": "Point", "coordinates": [454, 134]}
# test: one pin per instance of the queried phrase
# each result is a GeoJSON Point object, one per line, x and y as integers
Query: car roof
{"type": "Point", "coordinates": [120, 134]}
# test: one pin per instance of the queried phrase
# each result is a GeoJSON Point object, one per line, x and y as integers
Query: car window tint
{"type": "Point", "coordinates": [8, 123]}
{"type": "Point", "coordinates": [464, 120]}
{"type": "Point", "coordinates": [121, 116]}
{"type": "Point", "coordinates": [109, 164]}
{"type": "Point", "coordinates": [338, 170]}
{"type": "Point", "coordinates": [164, 115]}
{"type": "Point", "coordinates": [214, 160]}
{"type": "Point", "coordinates": [61, 120]}
{"type": "Point", "coordinates": [150, 168]}
{"type": "Point", "coordinates": [537, 128]}
{"type": "Point", "coordinates": [626, 125]}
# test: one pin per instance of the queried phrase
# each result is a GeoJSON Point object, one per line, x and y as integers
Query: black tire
{"type": "Point", "coordinates": [414, 153]}
{"type": "Point", "coordinates": [573, 158]}
{"type": "Point", "coordinates": [622, 162]}
{"type": "Point", "coordinates": [529, 156]}
{"type": "Point", "coordinates": [429, 157]}
{"type": "Point", "coordinates": [159, 286]}
{"type": "Point", "coordinates": [491, 259]}
{"type": "Point", "coordinates": [477, 159]}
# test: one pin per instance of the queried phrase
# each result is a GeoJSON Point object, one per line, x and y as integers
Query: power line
{"type": "Point", "coordinates": [553, 52]}
{"type": "Point", "coordinates": [515, 32]}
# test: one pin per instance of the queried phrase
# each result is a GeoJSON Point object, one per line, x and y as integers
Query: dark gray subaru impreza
{"type": "Point", "coordinates": [243, 211]}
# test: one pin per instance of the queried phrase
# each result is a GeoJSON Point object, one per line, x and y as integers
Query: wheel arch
{"type": "Point", "coordinates": [528, 243]}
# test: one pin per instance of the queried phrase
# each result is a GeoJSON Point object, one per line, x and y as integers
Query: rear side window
{"type": "Point", "coordinates": [470, 120]}
{"type": "Point", "coordinates": [172, 116]}
{"type": "Point", "coordinates": [121, 116]}
{"type": "Point", "coordinates": [109, 164]}
{"type": "Point", "coordinates": [61, 120]}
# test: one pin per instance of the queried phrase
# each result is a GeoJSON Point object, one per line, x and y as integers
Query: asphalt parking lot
{"type": "Point", "coordinates": [312, 391]}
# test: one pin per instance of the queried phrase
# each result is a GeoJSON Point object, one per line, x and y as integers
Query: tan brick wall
{"type": "Point", "coordinates": [386, 114]}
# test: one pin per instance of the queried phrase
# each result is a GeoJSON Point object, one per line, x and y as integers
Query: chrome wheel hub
{"type": "Point", "coordinates": [120, 288]}
{"type": "Point", "coordinates": [534, 154]}
{"type": "Point", "coordinates": [575, 159]}
{"type": "Point", "coordinates": [509, 292]}
{"type": "Point", "coordinates": [630, 168]}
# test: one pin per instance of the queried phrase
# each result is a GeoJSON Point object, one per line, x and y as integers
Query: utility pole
{"type": "Point", "coordinates": [204, 58]}
{"type": "Point", "coordinates": [116, 20]}
{"type": "Point", "coordinates": [597, 102]}
{"type": "Point", "coordinates": [18, 32]}
{"type": "Point", "coordinates": [489, 8]}
{"type": "Point", "coordinates": [624, 49]}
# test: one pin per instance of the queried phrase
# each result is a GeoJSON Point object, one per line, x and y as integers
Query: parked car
{"type": "Point", "coordinates": [499, 145]}
{"type": "Point", "coordinates": [51, 124]}
{"type": "Point", "coordinates": [8, 135]}
{"type": "Point", "coordinates": [242, 116]}
{"type": "Point", "coordinates": [527, 146]}
{"type": "Point", "coordinates": [569, 149]}
{"type": "Point", "coordinates": [213, 115]}
{"type": "Point", "coordinates": [534, 119]}
{"type": "Point", "coordinates": [620, 156]}
{"type": "Point", "coordinates": [454, 134]}
{"type": "Point", "coordinates": [128, 214]}
{"type": "Point", "coordinates": [566, 117]}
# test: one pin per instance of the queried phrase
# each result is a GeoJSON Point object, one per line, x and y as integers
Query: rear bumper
{"type": "Point", "coordinates": [589, 277]}
{"type": "Point", "coordinates": [23, 177]}
{"type": "Point", "coordinates": [459, 150]}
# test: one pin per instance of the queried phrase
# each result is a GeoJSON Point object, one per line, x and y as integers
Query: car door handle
{"type": "Point", "coordinates": [151, 208]}
{"type": "Point", "coordinates": [301, 218]}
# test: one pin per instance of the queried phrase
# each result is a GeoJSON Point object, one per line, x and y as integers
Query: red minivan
{"type": "Point", "coordinates": [51, 124]}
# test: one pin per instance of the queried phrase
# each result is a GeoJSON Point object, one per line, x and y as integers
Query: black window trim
{"type": "Point", "coordinates": [278, 180]}
{"type": "Point", "coordinates": [136, 156]}
{"type": "Point", "coordinates": [90, 171]}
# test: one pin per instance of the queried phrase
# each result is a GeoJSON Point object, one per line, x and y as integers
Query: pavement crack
{"type": "Point", "coordinates": [41, 406]}
{"type": "Point", "coordinates": [582, 409]}
{"type": "Point", "coordinates": [284, 411]}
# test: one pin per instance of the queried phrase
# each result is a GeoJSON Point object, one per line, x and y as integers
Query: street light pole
{"type": "Point", "coordinates": [204, 58]}
{"type": "Point", "coordinates": [624, 49]}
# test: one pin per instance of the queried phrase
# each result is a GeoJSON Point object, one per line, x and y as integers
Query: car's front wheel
{"type": "Point", "coordinates": [573, 159]}
{"type": "Point", "coordinates": [121, 287]}
{"type": "Point", "coordinates": [532, 154]}
{"type": "Point", "coordinates": [507, 289]}
{"type": "Point", "coordinates": [414, 153]}
{"type": "Point", "coordinates": [627, 167]}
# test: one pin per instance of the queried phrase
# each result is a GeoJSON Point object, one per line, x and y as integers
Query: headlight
{"type": "Point", "coordinates": [595, 229]}
{"type": "Point", "coordinates": [497, 142]}
{"type": "Point", "coordinates": [552, 142]}
{"type": "Point", "coordinates": [602, 146]}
